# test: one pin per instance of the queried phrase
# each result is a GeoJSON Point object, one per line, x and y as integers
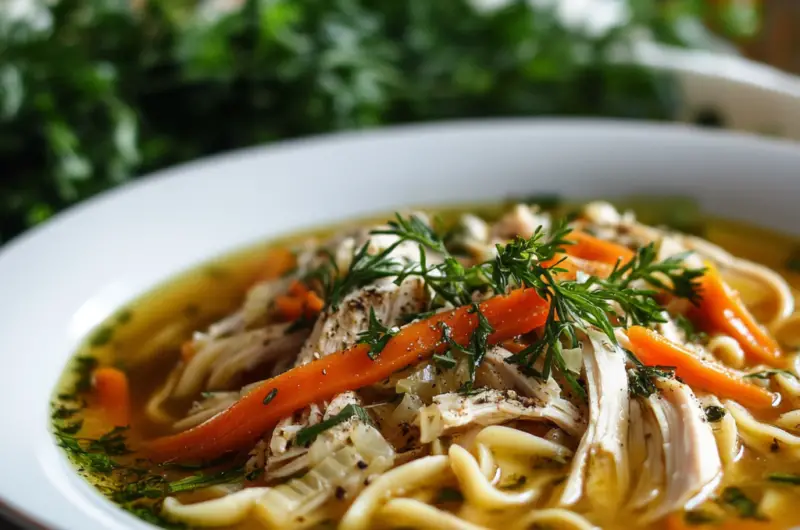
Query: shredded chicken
{"type": "Point", "coordinates": [455, 412]}
{"type": "Point", "coordinates": [691, 461]}
{"type": "Point", "coordinates": [600, 467]}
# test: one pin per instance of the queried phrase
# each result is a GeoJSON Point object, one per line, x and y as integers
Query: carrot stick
{"type": "Point", "coordinates": [313, 304]}
{"type": "Point", "coordinates": [654, 349]}
{"type": "Point", "coordinates": [721, 310]}
{"type": "Point", "coordinates": [242, 423]}
{"type": "Point", "coordinates": [289, 307]}
{"type": "Point", "coordinates": [111, 389]}
{"type": "Point", "coordinates": [592, 248]}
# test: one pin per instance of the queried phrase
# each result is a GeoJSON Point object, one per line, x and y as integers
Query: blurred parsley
{"type": "Point", "coordinates": [97, 91]}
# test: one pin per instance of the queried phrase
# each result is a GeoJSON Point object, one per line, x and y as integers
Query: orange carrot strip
{"type": "Point", "coordinates": [187, 351]}
{"type": "Point", "coordinates": [592, 248]}
{"type": "Point", "coordinates": [313, 304]}
{"type": "Point", "coordinates": [289, 307]}
{"type": "Point", "coordinates": [654, 349]}
{"type": "Point", "coordinates": [111, 389]}
{"type": "Point", "coordinates": [297, 289]}
{"type": "Point", "coordinates": [247, 419]}
{"type": "Point", "coordinates": [721, 310]}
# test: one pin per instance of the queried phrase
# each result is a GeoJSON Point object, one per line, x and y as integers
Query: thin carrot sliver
{"type": "Point", "coordinates": [592, 248]}
{"type": "Point", "coordinates": [314, 304]}
{"type": "Point", "coordinates": [241, 424]}
{"type": "Point", "coordinates": [654, 349]}
{"type": "Point", "coordinates": [297, 289]}
{"type": "Point", "coordinates": [113, 395]}
{"type": "Point", "coordinates": [721, 310]}
{"type": "Point", "coordinates": [188, 351]}
{"type": "Point", "coordinates": [289, 307]}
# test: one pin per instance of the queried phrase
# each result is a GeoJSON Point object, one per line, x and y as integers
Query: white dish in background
{"type": "Point", "coordinates": [60, 280]}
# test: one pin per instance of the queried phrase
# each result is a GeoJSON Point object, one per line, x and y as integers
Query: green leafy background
{"type": "Point", "coordinates": [95, 92]}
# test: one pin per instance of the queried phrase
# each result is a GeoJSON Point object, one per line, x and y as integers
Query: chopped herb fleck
{"type": "Point", "coordinates": [83, 366]}
{"type": "Point", "coordinates": [698, 517]}
{"type": "Point", "coordinates": [269, 397]}
{"type": "Point", "coordinates": [714, 413]}
{"type": "Point", "coordinates": [786, 478]}
{"type": "Point", "coordinates": [101, 337]}
{"type": "Point", "coordinates": [376, 336]}
{"type": "Point", "coordinates": [744, 505]}
{"type": "Point", "coordinates": [449, 495]}
{"type": "Point", "coordinates": [198, 481]}
{"type": "Point", "coordinates": [309, 434]}
{"type": "Point", "coordinates": [766, 374]}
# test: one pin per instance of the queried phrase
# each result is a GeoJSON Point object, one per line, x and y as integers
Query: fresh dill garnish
{"type": "Point", "coordinates": [83, 366]}
{"type": "Point", "coordinates": [698, 517]}
{"type": "Point", "coordinates": [63, 412]}
{"type": "Point", "coordinates": [376, 336]}
{"type": "Point", "coordinates": [766, 374]}
{"type": "Point", "coordinates": [364, 269]}
{"type": "Point", "coordinates": [198, 481]}
{"type": "Point", "coordinates": [70, 428]}
{"type": "Point", "coordinates": [785, 478]}
{"type": "Point", "coordinates": [93, 454]}
{"type": "Point", "coordinates": [101, 336]}
{"type": "Point", "coordinates": [473, 352]}
{"type": "Point", "coordinates": [444, 361]}
{"type": "Point", "coordinates": [746, 507]}
{"type": "Point", "coordinates": [309, 434]}
{"type": "Point", "coordinates": [714, 413]}
{"type": "Point", "coordinates": [640, 378]}
{"type": "Point", "coordinates": [270, 396]}
{"type": "Point", "coordinates": [670, 274]}
{"type": "Point", "coordinates": [413, 228]}
{"type": "Point", "coordinates": [448, 495]}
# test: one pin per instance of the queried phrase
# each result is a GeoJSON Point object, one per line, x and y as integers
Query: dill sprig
{"type": "Point", "coordinates": [376, 336]}
{"type": "Point", "coordinates": [670, 274]}
{"type": "Point", "coordinates": [474, 352]}
{"type": "Point", "coordinates": [413, 228]}
{"type": "Point", "coordinates": [364, 269]}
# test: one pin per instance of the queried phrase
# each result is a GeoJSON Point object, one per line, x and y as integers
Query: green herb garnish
{"type": "Point", "coordinates": [640, 378]}
{"type": "Point", "coordinates": [744, 505]}
{"type": "Point", "coordinates": [698, 517]}
{"type": "Point", "coordinates": [83, 366]}
{"type": "Point", "coordinates": [766, 374]}
{"type": "Point", "coordinates": [714, 413]}
{"type": "Point", "coordinates": [448, 495]}
{"type": "Point", "coordinates": [101, 336]}
{"type": "Point", "coordinates": [270, 396]}
{"type": "Point", "coordinates": [376, 336]}
{"type": "Point", "coordinates": [785, 478]}
{"type": "Point", "coordinates": [199, 481]}
{"type": "Point", "coordinates": [309, 434]}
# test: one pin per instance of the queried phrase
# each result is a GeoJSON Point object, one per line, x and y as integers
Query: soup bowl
{"type": "Point", "coordinates": [63, 278]}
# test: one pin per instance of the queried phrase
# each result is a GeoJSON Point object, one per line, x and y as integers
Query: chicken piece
{"type": "Point", "coordinates": [454, 412]}
{"type": "Point", "coordinates": [691, 460]}
{"type": "Point", "coordinates": [496, 373]}
{"type": "Point", "coordinates": [600, 468]}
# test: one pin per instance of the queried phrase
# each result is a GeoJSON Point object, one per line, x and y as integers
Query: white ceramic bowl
{"type": "Point", "coordinates": [60, 280]}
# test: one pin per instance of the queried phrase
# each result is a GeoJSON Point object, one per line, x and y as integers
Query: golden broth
{"type": "Point", "coordinates": [144, 340]}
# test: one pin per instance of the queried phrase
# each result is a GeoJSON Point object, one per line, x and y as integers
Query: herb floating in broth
{"type": "Point", "coordinates": [409, 373]}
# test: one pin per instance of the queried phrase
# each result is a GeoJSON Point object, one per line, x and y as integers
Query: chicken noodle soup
{"type": "Point", "coordinates": [503, 368]}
